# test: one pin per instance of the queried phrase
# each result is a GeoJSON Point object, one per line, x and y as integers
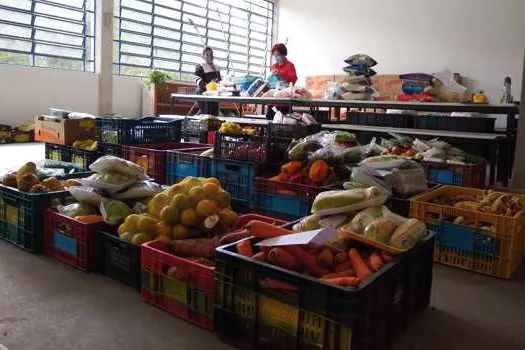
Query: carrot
{"type": "Point", "coordinates": [306, 260]}
{"type": "Point", "coordinates": [261, 256]}
{"type": "Point", "coordinates": [341, 257]}
{"type": "Point", "coordinates": [275, 284]}
{"type": "Point", "coordinates": [245, 248]}
{"type": "Point", "coordinates": [265, 249]}
{"type": "Point", "coordinates": [345, 265]}
{"type": "Point", "coordinates": [345, 273]}
{"type": "Point", "coordinates": [362, 271]}
{"type": "Point", "coordinates": [291, 167]}
{"type": "Point", "coordinates": [263, 229]}
{"type": "Point", "coordinates": [326, 258]}
{"type": "Point", "coordinates": [90, 219]}
{"type": "Point", "coordinates": [281, 257]}
{"type": "Point", "coordinates": [374, 261]}
{"type": "Point", "coordinates": [386, 257]}
{"type": "Point", "coordinates": [234, 236]}
{"type": "Point", "coordinates": [343, 281]}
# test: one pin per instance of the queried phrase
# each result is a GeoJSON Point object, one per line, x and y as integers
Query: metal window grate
{"type": "Point", "coordinates": [48, 33]}
{"type": "Point", "coordinates": [161, 34]}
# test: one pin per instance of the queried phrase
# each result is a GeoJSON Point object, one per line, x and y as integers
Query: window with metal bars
{"type": "Point", "coordinates": [48, 33]}
{"type": "Point", "coordinates": [170, 34]}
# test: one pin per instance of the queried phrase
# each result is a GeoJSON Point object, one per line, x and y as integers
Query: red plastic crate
{"type": "Point", "coordinates": [152, 158]}
{"type": "Point", "coordinates": [71, 241]}
{"type": "Point", "coordinates": [193, 298]}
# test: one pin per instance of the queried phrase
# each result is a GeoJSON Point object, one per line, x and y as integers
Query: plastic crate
{"type": "Point", "coordinates": [468, 175]}
{"type": "Point", "coordinates": [152, 158]}
{"type": "Point", "coordinates": [466, 124]}
{"type": "Point", "coordinates": [138, 131]}
{"type": "Point", "coordinates": [71, 241]}
{"type": "Point", "coordinates": [195, 130]}
{"type": "Point", "coordinates": [109, 149]}
{"type": "Point", "coordinates": [379, 119]}
{"type": "Point", "coordinates": [119, 260]}
{"type": "Point", "coordinates": [285, 199]}
{"type": "Point", "coordinates": [187, 162]}
{"type": "Point", "coordinates": [493, 245]}
{"type": "Point", "coordinates": [292, 131]}
{"type": "Point", "coordinates": [241, 147]}
{"type": "Point", "coordinates": [318, 315]}
{"type": "Point", "coordinates": [191, 299]}
{"type": "Point", "coordinates": [401, 205]}
{"type": "Point", "coordinates": [22, 216]}
{"type": "Point", "coordinates": [77, 156]}
{"type": "Point", "coordinates": [237, 178]}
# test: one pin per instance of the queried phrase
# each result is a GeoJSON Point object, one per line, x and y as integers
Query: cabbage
{"type": "Point", "coordinates": [114, 212]}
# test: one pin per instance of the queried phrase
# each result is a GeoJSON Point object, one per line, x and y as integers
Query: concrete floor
{"type": "Point", "coordinates": [45, 304]}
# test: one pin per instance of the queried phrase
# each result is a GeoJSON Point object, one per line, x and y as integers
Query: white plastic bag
{"type": "Point", "coordinates": [101, 181]}
{"type": "Point", "coordinates": [360, 199]}
{"type": "Point", "coordinates": [107, 164]}
{"type": "Point", "coordinates": [407, 182]}
{"type": "Point", "coordinates": [372, 177]}
{"type": "Point", "coordinates": [87, 195]}
{"type": "Point", "coordinates": [142, 189]}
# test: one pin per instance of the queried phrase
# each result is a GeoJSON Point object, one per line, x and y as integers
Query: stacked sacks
{"type": "Point", "coordinates": [358, 85]}
{"type": "Point", "coordinates": [416, 87]}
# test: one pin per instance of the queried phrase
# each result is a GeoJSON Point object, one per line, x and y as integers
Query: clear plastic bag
{"type": "Point", "coordinates": [112, 164]}
{"type": "Point", "coordinates": [407, 182]}
{"type": "Point", "coordinates": [371, 177]}
{"type": "Point", "coordinates": [347, 201]}
{"type": "Point", "coordinates": [104, 182]}
{"type": "Point", "coordinates": [333, 91]}
{"type": "Point", "coordinates": [88, 195]}
{"type": "Point", "coordinates": [139, 190]}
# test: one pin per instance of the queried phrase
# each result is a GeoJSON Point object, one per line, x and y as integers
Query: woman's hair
{"type": "Point", "coordinates": [280, 48]}
{"type": "Point", "coordinates": [206, 49]}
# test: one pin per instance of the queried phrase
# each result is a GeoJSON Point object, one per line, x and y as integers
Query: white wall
{"type": "Point", "coordinates": [481, 39]}
{"type": "Point", "coordinates": [29, 91]}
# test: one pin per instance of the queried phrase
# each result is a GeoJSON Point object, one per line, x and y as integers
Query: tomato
{"type": "Point", "coordinates": [409, 153]}
{"type": "Point", "coordinates": [396, 150]}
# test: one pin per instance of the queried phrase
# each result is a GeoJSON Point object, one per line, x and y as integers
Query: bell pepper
{"type": "Point", "coordinates": [292, 167]}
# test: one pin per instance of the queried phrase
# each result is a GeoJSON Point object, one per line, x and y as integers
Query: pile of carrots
{"type": "Point", "coordinates": [329, 264]}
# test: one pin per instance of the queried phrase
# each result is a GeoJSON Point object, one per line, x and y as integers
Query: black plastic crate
{"type": "Point", "coordinates": [196, 126]}
{"type": "Point", "coordinates": [467, 124]}
{"type": "Point", "coordinates": [146, 130]}
{"type": "Point", "coordinates": [318, 315]}
{"type": "Point", "coordinates": [22, 216]}
{"type": "Point", "coordinates": [109, 149]}
{"type": "Point", "coordinates": [241, 147]}
{"type": "Point", "coordinates": [379, 119]}
{"type": "Point", "coordinates": [58, 152]}
{"type": "Point", "coordinates": [80, 157]}
{"type": "Point", "coordinates": [292, 131]}
{"type": "Point", "coordinates": [119, 260]}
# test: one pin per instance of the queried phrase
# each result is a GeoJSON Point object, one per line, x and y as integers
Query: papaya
{"type": "Point", "coordinates": [318, 171]}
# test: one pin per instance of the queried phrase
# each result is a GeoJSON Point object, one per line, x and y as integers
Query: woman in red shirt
{"type": "Point", "coordinates": [285, 70]}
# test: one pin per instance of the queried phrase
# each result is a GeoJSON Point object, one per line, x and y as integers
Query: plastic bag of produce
{"type": "Point", "coordinates": [346, 201]}
{"type": "Point", "coordinates": [114, 212]}
{"type": "Point", "coordinates": [87, 195]}
{"type": "Point", "coordinates": [302, 149]}
{"type": "Point", "coordinates": [77, 209]}
{"type": "Point", "coordinates": [407, 182]}
{"type": "Point", "coordinates": [381, 229]}
{"type": "Point", "coordinates": [408, 234]}
{"type": "Point", "coordinates": [112, 182]}
{"type": "Point", "coordinates": [111, 164]}
{"type": "Point", "coordinates": [142, 189]}
{"type": "Point", "coordinates": [361, 59]}
{"type": "Point", "coordinates": [363, 219]}
{"type": "Point", "coordinates": [372, 177]}
{"type": "Point", "coordinates": [333, 91]}
{"type": "Point", "coordinates": [384, 162]}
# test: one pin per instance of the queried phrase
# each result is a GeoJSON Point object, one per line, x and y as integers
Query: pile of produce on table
{"type": "Point", "coordinates": [293, 118]}
{"type": "Point", "coordinates": [234, 128]}
{"type": "Point", "coordinates": [194, 207]}
{"type": "Point", "coordinates": [42, 178]}
{"type": "Point", "coordinates": [357, 215]}
{"type": "Point", "coordinates": [117, 189]}
{"type": "Point", "coordinates": [489, 201]}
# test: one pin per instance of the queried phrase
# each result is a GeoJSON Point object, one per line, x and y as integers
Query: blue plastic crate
{"type": "Point", "coordinates": [465, 239]}
{"type": "Point", "coordinates": [446, 177]}
{"type": "Point", "coordinates": [283, 206]}
{"type": "Point", "coordinates": [187, 162]}
{"type": "Point", "coordinates": [237, 178]}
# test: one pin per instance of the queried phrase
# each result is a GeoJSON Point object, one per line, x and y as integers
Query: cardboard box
{"type": "Point", "coordinates": [63, 131]}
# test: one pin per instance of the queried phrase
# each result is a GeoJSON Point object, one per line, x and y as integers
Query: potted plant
{"type": "Point", "coordinates": [155, 79]}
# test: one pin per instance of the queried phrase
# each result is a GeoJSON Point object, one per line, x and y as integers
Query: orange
{"type": "Point", "coordinates": [169, 215]}
{"type": "Point", "coordinates": [163, 238]}
{"type": "Point", "coordinates": [163, 229]}
{"type": "Point", "coordinates": [211, 189]}
{"type": "Point", "coordinates": [206, 208]}
{"type": "Point", "coordinates": [213, 180]}
{"type": "Point", "coordinates": [179, 231]}
{"type": "Point", "coordinates": [188, 217]}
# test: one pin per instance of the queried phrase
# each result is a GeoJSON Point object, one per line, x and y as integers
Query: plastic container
{"type": "Point", "coordinates": [285, 199]}
{"type": "Point", "coordinates": [22, 216]}
{"type": "Point", "coordinates": [77, 156]}
{"type": "Point", "coordinates": [468, 175]}
{"type": "Point", "coordinates": [71, 241]}
{"type": "Point", "coordinates": [119, 260]}
{"type": "Point", "coordinates": [58, 152]}
{"type": "Point", "coordinates": [192, 298]}
{"type": "Point", "coordinates": [493, 245]}
{"type": "Point", "coordinates": [318, 315]}
{"type": "Point", "coordinates": [467, 124]}
{"type": "Point", "coordinates": [401, 205]}
{"type": "Point", "coordinates": [196, 131]}
{"type": "Point", "coordinates": [145, 130]}
{"type": "Point", "coordinates": [152, 158]}
{"type": "Point", "coordinates": [241, 147]}
{"type": "Point", "coordinates": [379, 119]}
{"type": "Point", "coordinates": [237, 178]}
{"type": "Point", "coordinates": [109, 149]}
{"type": "Point", "coordinates": [292, 131]}
{"type": "Point", "coordinates": [187, 162]}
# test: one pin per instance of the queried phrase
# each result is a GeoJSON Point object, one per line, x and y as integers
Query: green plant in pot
{"type": "Point", "coordinates": [158, 78]}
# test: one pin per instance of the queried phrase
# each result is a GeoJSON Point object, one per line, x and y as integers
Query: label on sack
{"type": "Point", "coordinates": [321, 236]}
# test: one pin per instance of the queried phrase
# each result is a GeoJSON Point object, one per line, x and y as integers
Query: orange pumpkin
{"type": "Point", "coordinates": [318, 171]}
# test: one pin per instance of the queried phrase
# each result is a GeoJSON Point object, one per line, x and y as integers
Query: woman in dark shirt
{"type": "Point", "coordinates": [205, 73]}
